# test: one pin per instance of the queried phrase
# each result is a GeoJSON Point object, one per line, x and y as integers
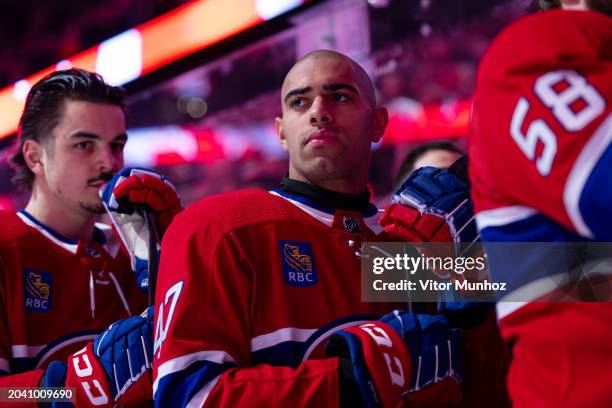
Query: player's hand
{"type": "Point", "coordinates": [380, 365]}
{"type": "Point", "coordinates": [432, 205]}
{"type": "Point", "coordinates": [435, 352]}
{"type": "Point", "coordinates": [113, 370]}
{"type": "Point", "coordinates": [129, 190]}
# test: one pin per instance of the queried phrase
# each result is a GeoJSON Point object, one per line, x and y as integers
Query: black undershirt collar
{"type": "Point", "coordinates": [332, 199]}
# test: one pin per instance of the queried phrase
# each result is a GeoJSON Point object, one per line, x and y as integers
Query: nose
{"type": "Point", "coordinates": [107, 161]}
{"type": "Point", "coordinates": [320, 112]}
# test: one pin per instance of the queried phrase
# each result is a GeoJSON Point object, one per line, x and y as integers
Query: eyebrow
{"type": "Point", "coordinates": [336, 87]}
{"type": "Point", "coordinates": [297, 91]}
{"type": "Point", "coordinates": [89, 135]}
{"type": "Point", "coordinates": [329, 88]}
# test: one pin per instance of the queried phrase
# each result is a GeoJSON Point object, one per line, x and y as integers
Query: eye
{"type": "Point", "coordinates": [82, 145]}
{"type": "Point", "coordinates": [117, 147]}
{"type": "Point", "coordinates": [340, 97]}
{"type": "Point", "coordinates": [297, 103]}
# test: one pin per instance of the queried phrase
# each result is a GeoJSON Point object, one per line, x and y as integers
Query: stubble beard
{"type": "Point", "coordinates": [94, 208]}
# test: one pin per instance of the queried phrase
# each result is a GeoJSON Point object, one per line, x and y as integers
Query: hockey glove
{"type": "Point", "coordinates": [129, 190]}
{"type": "Point", "coordinates": [381, 365]}
{"type": "Point", "coordinates": [432, 205]}
{"type": "Point", "coordinates": [435, 352]}
{"type": "Point", "coordinates": [113, 370]}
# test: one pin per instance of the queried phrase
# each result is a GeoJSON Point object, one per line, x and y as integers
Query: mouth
{"type": "Point", "coordinates": [100, 180]}
{"type": "Point", "coordinates": [96, 184]}
{"type": "Point", "coordinates": [322, 137]}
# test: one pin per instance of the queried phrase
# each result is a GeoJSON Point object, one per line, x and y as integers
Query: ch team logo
{"type": "Point", "coordinates": [351, 224]}
{"type": "Point", "coordinates": [298, 264]}
{"type": "Point", "coordinates": [37, 290]}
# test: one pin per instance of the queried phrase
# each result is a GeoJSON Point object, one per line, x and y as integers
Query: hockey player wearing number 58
{"type": "Point", "coordinates": [540, 150]}
{"type": "Point", "coordinates": [63, 278]}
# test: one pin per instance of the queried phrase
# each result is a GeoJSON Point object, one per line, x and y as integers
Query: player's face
{"type": "Point", "coordinates": [438, 158]}
{"type": "Point", "coordinates": [329, 122]}
{"type": "Point", "coordinates": [87, 149]}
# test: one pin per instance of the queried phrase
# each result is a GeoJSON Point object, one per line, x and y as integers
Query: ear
{"type": "Point", "coordinates": [381, 118]}
{"type": "Point", "coordinates": [33, 154]}
{"type": "Point", "coordinates": [278, 125]}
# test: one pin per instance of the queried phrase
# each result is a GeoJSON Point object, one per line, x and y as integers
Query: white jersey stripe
{"type": "Point", "coordinates": [182, 362]}
{"type": "Point", "coordinates": [372, 222]}
{"type": "Point", "coordinates": [322, 216]}
{"type": "Point", "coordinates": [25, 351]}
{"type": "Point", "coordinates": [72, 248]}
{"type": "Point", "coordinates": [325, 335]}
{"type": "Point", "coordinates": [503, 216]}
{"type": "Point", "coordinates": [199, 399]}
{"type": "Point", "coordinates": [506, 308]}
{"type": "Point", "coordinates": [280, 336]}
{"type": "Point", "coordinates": [54, 349]}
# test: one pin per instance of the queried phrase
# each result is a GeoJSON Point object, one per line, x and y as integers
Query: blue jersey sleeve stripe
{"type": "Point", "coordinates": [530, 263]}
{"type": "Point", "coordinates": [587, 188]}
{"type": "Point", "coordinates": [287, 354]}
{"type": "Point", "coordinates": [178, 388]}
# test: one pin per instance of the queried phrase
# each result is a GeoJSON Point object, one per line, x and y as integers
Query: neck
{"type": "Point", "coordinates": [78, 224]}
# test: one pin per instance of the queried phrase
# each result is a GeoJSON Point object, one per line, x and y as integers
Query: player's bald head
{"type": "Point", "coordinates": [359, 75]}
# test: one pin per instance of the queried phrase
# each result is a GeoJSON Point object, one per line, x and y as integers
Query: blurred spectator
{"type": "Point", "coordinates": [439, 154]}
{"type": "Point", "coordinates": [35, 34]}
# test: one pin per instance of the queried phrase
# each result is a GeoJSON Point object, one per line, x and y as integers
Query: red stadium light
{"type": "Point", "coordinates": [136, 52]}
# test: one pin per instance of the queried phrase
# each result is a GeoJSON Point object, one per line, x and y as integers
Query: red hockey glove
{"type": "Point", "coordinates": [380, 362]}
{"type": "Point", "coordinates": [432, 205]}
{"type": "Point", "coordinates": [134, 186]}
{"type": "Point", "coordinates": [410, 225]}
{"type": "Point", "coordinates": [113, 370]}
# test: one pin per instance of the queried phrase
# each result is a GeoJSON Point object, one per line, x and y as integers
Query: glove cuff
{"type": "Point", "coordinates": [380, 362]}
{"type": "Point", "coordinates": [86, 374]}
{"type": "Point", "coordinates": [350, 394]}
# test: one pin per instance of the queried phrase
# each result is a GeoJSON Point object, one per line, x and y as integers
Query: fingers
{"type": "Point", "coordinates": [408, 224]}
{"type": "Point", "coordinates": [147, 189]}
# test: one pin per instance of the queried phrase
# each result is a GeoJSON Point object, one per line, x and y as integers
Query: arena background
{"type": "Point", "coordinates": [204, 77]}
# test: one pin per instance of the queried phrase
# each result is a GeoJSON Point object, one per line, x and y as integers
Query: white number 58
{"type": "Point", "coordinates": [560, 104]}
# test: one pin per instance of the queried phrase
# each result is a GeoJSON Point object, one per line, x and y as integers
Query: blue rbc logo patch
{"type": "Point", "coordinates": [298, 264]}
{"type": "Point", "coordinates": [37, 290]}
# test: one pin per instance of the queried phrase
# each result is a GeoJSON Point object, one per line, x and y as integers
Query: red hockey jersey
{"type": "Point", "coordinates": [540, 149]}
{"type": "Point", "coordinates": [56, 294]}
{"type": "Point", "coordinates": [540, 142]}
{"type": "Point", "coordinates": [250, 284]}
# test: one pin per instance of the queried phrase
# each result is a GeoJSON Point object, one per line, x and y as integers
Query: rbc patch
{"type": "Point", "coordinates": [37, 290]}
{"type": "Point", "coordinates": [298, 264]}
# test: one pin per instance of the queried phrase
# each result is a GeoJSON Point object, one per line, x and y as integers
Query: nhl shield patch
{"type": "Point", "coordinates": [298, 264]}
{"type": "Point", "coordinates": [37, 290]}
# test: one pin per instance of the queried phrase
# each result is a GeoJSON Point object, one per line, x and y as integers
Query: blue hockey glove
{"type": "Point", "coordinates": [402, 357]}
{"type": "Point", "coordinates": [129, 190]}
{"type": "Point", "coordinates": [435, 351]}
{"type": "Point", "coordinates": [379, 365]}
{"type": "Point", "coordinates": [116, 369]}
{"type": "Point", "coordinates": [432, 205]}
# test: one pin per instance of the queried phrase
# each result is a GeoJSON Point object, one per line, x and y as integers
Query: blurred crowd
{"type": "Point", "coordinates": [429, 62]}
{"type": "Point", "coordinates": [37, 33]}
